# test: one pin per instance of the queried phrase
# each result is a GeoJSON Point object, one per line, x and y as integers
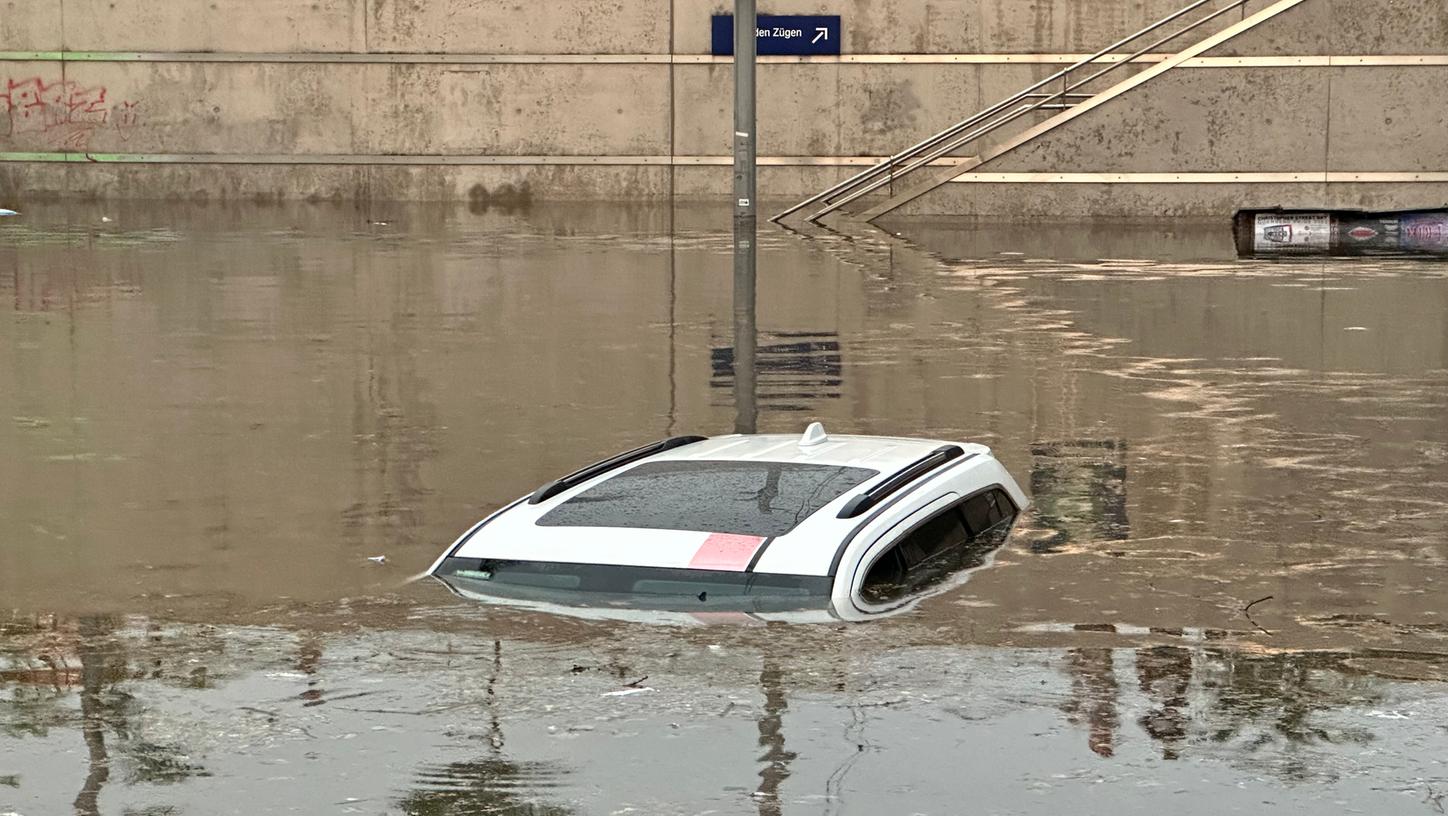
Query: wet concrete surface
{"type": "Point", "coordinates": [1226, 597]}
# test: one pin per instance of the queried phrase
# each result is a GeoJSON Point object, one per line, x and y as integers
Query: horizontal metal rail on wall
{"type": "Point", "coordinates": [355, 160]}
{"type": "Point", "coordinates": [425, 158]}
{"type": "Point", "coordinates": [1264, 177]}
{"type": "Point", "coordinates": [1290, 61]}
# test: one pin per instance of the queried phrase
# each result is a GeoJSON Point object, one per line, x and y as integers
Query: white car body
{"type": "Point", "coordinates": [836, 545]}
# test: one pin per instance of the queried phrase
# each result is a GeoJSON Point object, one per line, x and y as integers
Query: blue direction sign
{"type": "Point", "coordinates": [782, 34]}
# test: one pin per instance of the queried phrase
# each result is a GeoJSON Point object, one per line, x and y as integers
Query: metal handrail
{"type": "Point", "coordinates": [958, 127]}
{"type": "Point", "coordinates": [956, 143]}
{"type": "Point", "coordinates": [889, 165]}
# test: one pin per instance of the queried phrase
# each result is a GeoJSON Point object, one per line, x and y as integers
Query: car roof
{"type": "Point", "coordinates": [885, 454]}
{"type": "Point", "coordinates": [808, 549]}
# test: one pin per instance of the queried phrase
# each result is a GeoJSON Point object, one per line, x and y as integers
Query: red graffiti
{"type": "Point", "coordinates": [65, 113]}
{"type": "Point", "coordinates": [126, 115]}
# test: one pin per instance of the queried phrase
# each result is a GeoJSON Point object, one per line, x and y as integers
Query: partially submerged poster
{"type": "Point", "coordinates": [1341, 232]}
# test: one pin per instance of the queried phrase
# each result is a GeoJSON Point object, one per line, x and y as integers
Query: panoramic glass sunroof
{"type": "Point", "coordinates": [741, 498]}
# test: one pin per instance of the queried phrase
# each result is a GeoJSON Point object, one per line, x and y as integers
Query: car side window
{"type": "Point", "coordinates": [921, 558]}
{"type": "Point", "coordinates": [985, 511]}
{"type": "Point", "coordinates": [952, 540]}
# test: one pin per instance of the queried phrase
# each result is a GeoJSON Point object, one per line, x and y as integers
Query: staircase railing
{"type": "Point", "coordinates": [1034, 98]}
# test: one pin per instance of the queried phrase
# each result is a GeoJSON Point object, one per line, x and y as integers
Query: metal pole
{"type": "Point", "coordinates": [745, 406]}
{"type": "Point", "coordinates": [744, 135]}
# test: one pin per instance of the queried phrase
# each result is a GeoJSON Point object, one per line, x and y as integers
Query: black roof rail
{"type": "Point", "coordinates": [901, 478]}
{"type": "Point", "coordinates": [577, 477]}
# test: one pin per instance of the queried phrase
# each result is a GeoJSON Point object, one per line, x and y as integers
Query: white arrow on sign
{"type": "Point", "coordinates": [822, 34]}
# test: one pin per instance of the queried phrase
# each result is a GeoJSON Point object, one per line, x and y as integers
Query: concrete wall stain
{"type": "Point", "coordinates": [506, 197]}
{"type": "Point", "coordinates": [890, 108]}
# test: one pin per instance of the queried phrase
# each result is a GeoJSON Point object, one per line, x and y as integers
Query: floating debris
{"type": "Point", "coordinates": [629, 691]}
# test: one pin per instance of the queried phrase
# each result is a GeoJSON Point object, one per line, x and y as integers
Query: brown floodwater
{"type": "Point", "coordinates": [1228, 595]}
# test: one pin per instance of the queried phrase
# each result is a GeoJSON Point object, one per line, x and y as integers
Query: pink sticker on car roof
{"type": "Point", "coordinates": [725, 551]}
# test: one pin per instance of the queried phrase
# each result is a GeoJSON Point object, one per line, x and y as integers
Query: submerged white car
{"type": "Point", "coordinates": [812, 527]}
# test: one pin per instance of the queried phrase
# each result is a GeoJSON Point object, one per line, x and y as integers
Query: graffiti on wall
{"type": "Point", "coordinates": [63, 113]}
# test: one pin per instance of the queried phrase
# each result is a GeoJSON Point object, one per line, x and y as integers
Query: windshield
{"type": "Point", "coordinates": [637, 587]}
{"type": "Point", "coordinates": [741, 498]}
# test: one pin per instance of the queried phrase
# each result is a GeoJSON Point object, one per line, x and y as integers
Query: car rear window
{"type": "Point", "coordinates": [741, 498]}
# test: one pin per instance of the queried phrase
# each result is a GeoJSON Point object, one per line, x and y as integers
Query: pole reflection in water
{"type": "Point", "coordinates": [492, 783]}
{"type": "Point", "coordinates": [746, 410]}
{"type": "Point", "coordinates": [771, 739]}
{"type": "Point", "coordinates": [1094, 697]}
{"type": "Point", "coordinates": [1165, 676]}
{"type": "Point", "coordinates": [1078, 489]}
{"type": "Point", "coordinates": [92, 713]}
{"type": "Point", "coordinates": [309, 660]}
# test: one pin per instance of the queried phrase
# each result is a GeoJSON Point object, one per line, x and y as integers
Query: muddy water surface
{"type": "Point", "coordinates": [1227, 597]}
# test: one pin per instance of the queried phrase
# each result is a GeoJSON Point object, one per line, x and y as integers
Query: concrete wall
{"type": "Point", "coordinates": [499, 101]}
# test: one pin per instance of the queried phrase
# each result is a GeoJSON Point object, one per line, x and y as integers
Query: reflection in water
{"type": "Point", "coordinates": [36, 677]}
{"type": "Point", "coordinates": [391, 416]}
{"type": "Point", "coordinates": [490, 702]}
{"type": "Point", "coordinates": [1269, 705]}
{"type": "Point", "coordinates": [746, 334]}
{"type": "Point", "coordinates": [771, 739]}
{"type": "Point", "coordinates": [92, 712]}
{"type": "Point", "coordinates": [1165, 674]}
{"type": "Point", "coordinates": [309, 658]}
{"type": "Point", "coordinates": [793, 371]}
{"type": "Point", "coordinates": [210, 415]}
{"type": "Point", "coordinates": [1094, 697]}
{"type": "Point", "coordinates": [83, 658]}
{"type": "Point", "coordinates": [1078, 489]}
{"type": "Point", "coordinates": [492, 785]}
{"type": "Point", "coordinates": [1252, 703]}
{"type": "Point", "coordinates": [1292, 715]}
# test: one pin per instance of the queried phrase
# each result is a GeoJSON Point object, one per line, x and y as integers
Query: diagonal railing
{"type": "Point", "coordinates": [937, 175]}
{"type": "Point", "coordinates": [1037, 97]}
